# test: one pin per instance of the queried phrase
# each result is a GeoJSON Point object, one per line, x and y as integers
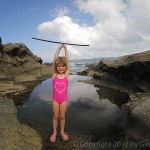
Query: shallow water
{"type": "Point", "coordinates": [91, 110]}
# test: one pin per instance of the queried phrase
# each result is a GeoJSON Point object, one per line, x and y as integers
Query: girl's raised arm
{"type": "Point", "coordinates": [67, 59]}
{"type": "Point", "coordinates": [56, 56]}
{"type": "Point", "coordinates": [58, 51]}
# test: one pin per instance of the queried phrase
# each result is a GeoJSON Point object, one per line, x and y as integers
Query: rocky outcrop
{"type": "Point", "coordinates": [137, 132]}
{"type": "Point", "coordinates": [18, 65]}
{"type": "Point", "coordinates": [8, 87]}
{"type": "Point", "coordinates": [17, 54]}
{"type": "Point", "coordinates": [130, 74]}
{"type": "Point", "coordinates": [89, 71]}
{"type": "Point", "coordinates": [13, 135]}
{"type": "Point", "coordinates": [17, 61]}
{"type": "Point", "coordinates": [132, 67]}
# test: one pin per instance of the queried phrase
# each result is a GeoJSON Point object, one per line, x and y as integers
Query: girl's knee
{"type": "Point", "coordinates": [56, 117]}
{"type": "Point", "coordinates": [62, 117]}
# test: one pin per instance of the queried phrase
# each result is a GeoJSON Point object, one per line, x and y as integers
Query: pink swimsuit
{"type": "Point", "coordinates": [60, 89]}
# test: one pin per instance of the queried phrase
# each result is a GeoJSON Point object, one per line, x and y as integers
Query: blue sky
{"type": "Point", "coordinates": [110, 27]}
{"type": "Point", "coordinates": [20, 18]}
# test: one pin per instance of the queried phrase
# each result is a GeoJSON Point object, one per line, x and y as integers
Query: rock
{"type": "Point", "coordinates": [132, 67]}
{"type": "Point", "coordinates": [89, 71]}
{"type": "Point", "coordinates": [1, 48]}
{"type": "Point", "coordinates": [38, 59]}
{"type": "Point", "coordinates": [0, 40]}
{"type": "Point", "coordinates": [98, 75]}
{"type": "Point", "coordinates": [83, 73]}
{"type": "Point", "coordinates": [8, 87]}
{"type": "Point", "coordinates": [132, 70]}
{"type": "Point", "coordinates": [138, 127]}
{"type": "Point", "coordinates": [25, 78]}
{"type": "Point", "coordinates": [20, 63]}
{"type": "Point", "coordinates": [14, 135]}
{"type": "Point", "coordinates": [17, 66]}
{"type": "Point", "coordinates": [130, 74]}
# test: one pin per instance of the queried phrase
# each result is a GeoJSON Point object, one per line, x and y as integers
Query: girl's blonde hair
{"type": "Point", "coordinates": [58, 61]}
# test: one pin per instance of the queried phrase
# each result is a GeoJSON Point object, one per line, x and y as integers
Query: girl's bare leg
{"type": "Point", "coordinates": [55, 117]}
{"type": "Point", "coordinates": [63, 108]}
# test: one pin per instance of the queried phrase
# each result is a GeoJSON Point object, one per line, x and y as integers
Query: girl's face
{"type": "Point", "coordinates": [61, 68]}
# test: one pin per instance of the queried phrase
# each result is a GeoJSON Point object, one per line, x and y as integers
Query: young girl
{"type": "Point", "coordinates": [60, 95]}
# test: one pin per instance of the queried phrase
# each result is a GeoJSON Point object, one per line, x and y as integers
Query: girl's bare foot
{"type": "Point", "coordinates": [64, 136]}
{"type": "Point", "coordinates": [53, 137]}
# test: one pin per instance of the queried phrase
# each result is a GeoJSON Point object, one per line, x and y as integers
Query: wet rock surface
{"type": "Point", "coordinates": [75, 141]}
{"type": "Point", "coordinates": [20, 70]}
{"type": "Point", "coordinates": [9, 87]}
{"type": "Point", "coordinates": [130, 74]}
{"type": "Point", "coordinates": [14, 135]}
{"type": "Point", "coordinates": [137, 133]}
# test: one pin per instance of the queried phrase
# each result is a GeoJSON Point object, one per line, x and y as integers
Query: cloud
{"type": "Point", "coordinates": [121, 27]}
{"type": "Point", "coordinates": [59, 12]}
{"type": "Point", "coordinates": [102, 10]}
{"type": "Point", "coordinates": [122, 23]}
{"type": "Point", "coordinates": [66, 30]}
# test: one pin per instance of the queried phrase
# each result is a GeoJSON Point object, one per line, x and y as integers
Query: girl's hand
{"type": "Point", "coordinates": [61, 46]}
{"type": "Point", "coordinates": [64, 45]}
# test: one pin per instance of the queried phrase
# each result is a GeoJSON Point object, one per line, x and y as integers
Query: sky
{"type": "Point", "coordinates": [112, 28]}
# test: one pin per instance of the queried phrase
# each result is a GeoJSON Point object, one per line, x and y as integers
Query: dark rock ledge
{"type": "Point", "coordinates": [130, 74]}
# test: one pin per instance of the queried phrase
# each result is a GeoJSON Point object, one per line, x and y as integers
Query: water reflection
{"type": "Point", "coordinates": [116, 97]}
{"type": "Point", "coordinates": [90, 109]}
{"type": "Point", "coordinates": [100, 119]}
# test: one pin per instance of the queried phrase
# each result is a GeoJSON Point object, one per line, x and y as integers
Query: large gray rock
{"type": "Point", "coordinates": [18, 61]}
{"type": "Point", "coordinates": [17, 54]}
{"type": "Point", "coordinates": [138, 127]}
{"type": "Point", "coordinates": [131, 67]}
{"type": "Point", "coordinates": [13, 135]}
{"type": "Point", "coordinates": [130, 74]}
{"type": "Point", "coordinates": [8, 87]}
{"type": "Point", "coordinates": [17, 64]}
